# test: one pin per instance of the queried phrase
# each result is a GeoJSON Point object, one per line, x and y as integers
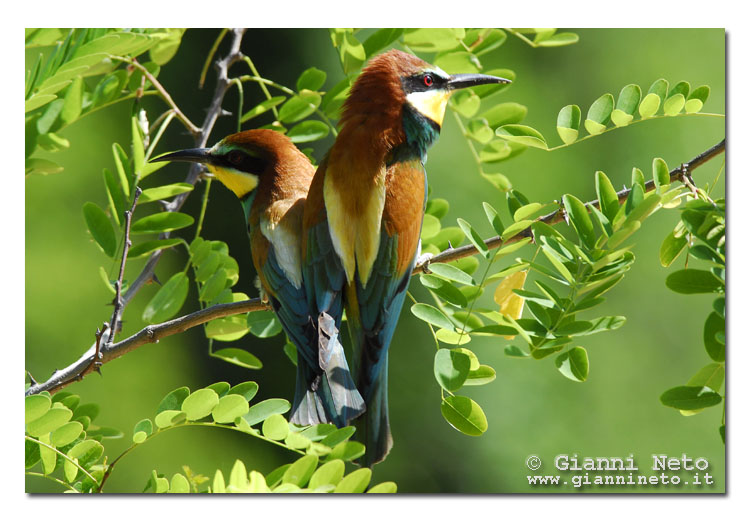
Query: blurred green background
{"type": "Point", "coordinates": [530, 407]}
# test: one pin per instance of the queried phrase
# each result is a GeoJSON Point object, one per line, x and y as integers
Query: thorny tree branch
{"type": "Point", "coordinates": [153, 333]}
{"type": "Point", "coordinates": [64, 377]}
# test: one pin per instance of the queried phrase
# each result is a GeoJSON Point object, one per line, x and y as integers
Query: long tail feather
{"type": "Point", "coordinates": [373, 428]}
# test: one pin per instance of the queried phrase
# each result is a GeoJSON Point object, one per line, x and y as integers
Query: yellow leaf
{"type": "Point", "coordinates": [511, 304]}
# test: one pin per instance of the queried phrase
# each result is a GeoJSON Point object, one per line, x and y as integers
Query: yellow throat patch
{"type": "Point", "coordinates": [241, 183]}
{"type": "Point", "coordinates": [430, 103]}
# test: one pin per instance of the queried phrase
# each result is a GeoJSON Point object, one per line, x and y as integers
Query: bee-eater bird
{"type": "Point", "coordinates": [271, 178]}
{"type": "Point", "coordinates": [364, 211]}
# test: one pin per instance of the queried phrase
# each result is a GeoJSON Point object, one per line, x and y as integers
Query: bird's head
{"type": "Point", "coordinates": [243, 160]}
{"type": "Point", "coordinates": [396, 76]}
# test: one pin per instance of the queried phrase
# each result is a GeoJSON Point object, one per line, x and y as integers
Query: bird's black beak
{"type": "Point", "coordinates": [461, 81]}
{"type": "Point", "coordinates": [191, 155]}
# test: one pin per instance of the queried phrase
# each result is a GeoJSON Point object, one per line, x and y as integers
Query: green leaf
{"type": "Point", "coordinates": [474, 237]}
{"type": "Point", "coordinates": [337, 436]}
{"type": "Point", "coordinates": [674, 104]}
{"type": "Point", "coordinates": [41, 166]}
{"type": "Point", "coordinates": [452, 273]}
{"type": "Point", "coordinates": [559, 40]}
{"type": "Point", "coordinates": [246, 389]}
{"type": "Point", "coordinates": [168, 418]}
{"type": "Point", "coordinates": [430, 226]}
{"type": "Point", "coordinates": [173, 400]}
{"type": "Point", "coordinates": [444, 290]}
{"type": "Point", "coordinates": [200, 403]}
{"type": "Point", "coordinates": [238, 357]}
{"type": "Point", "coordinates": [50, 421]}
{"type": "Point", "coordinates": [494, 218]}
{"type": "Point", "coordinates": [697, 99]}
{"type": "Point", "coordinates": [299, 106]}
{"type": "Point", "coordinates": [71, 108]}
{"type": "Point", "coordinates": [355, 482]}
{"type": "Point", "coordinates": [263, 324]}
{"type": "Point", "coordinates": [431, 315]}
{"type": "Point", "coordinates": [464, 414]}
{"type": "Point", "coordinates": [522, 134]}
{"type": "Point", "coordinates": [66, 434]}
{"type": "Point", "coordinates": [505, 114]}
{"type": "Point", "coordinates": [659, 87]}
{"type": "Point", "coordinates": [300, 472]}
{"type": "Point", "coordinates": [275, 427]}
{"type": "Point", "coordinates": [351, 51]}
{"type": "Point", "coordinates": [516, 228]}
{"type": "Point", "coordinates": [458, 62]}
{"type": "Point", "coordinates": [87, 452]}
{"type": "Point", "coordinates": [693, 281]}
{"type": "Point", "coordinates": [451, 368]}
{"type": "Point", "coordinates": [307, 131]}
{"type": "Point", "coordinates": [433, 39]}
{"type": "Point", "coordinates": [627, 103]}
{"type": "Point", "coordinates": [380, 39]}
{"type": "Point", "coordinates": [262, 108]}
{"type": "Point", "coordinates": [478, 130]}
{"type": "Point", "coordinates": [230, 407]}
{"type": "Point", "coordinates": [607, 196]}
{"type": "Point", "coordinates": [145, 427]}
{"type": "Point", "coordinates": [123, 168]}
{"type": "Point", "coordinates": [671, 248]}
{"type": "Point", "coordinates": [711, 375]}
{"type": "Point", "coordinates": [485, 40]}
{"type": "Point", "coordinates": [147, 247]}
{"type": "Point", "coordinates": [179, 484]}
{"type": "Point", "coordinates": [599, 114]}
{"type": "Point", "coordinates": [574, 364]}
{"type": "Point", "coordinates": [495, 151]}
{"type": "Point", "coordinates": [649, 105]}
{"type": "Point", "coordinates": [690, 397]}
{"type": "Point", "coordinates": [482, 375]}
{"type": "Point", "coordinates": [35, 406]}
{"type": "Point", "coordinates": [168, 300]}
{"type": "Point", "coordinates": [167, 46]}
{"type": "Point", "coordinates": [715, 324]}
{"type": "Point", "coordinates": [100, 227]}
{"type": "Point", "coordinates": [38, 100]}
{"type": "Point", "coordinates": [264, 409]}
{"type": "Point", "coordinates": [161, 222]}
{"type": "Point", "coordinates": [214, 286]}
{"type": "Point", "coordinates": [660, 172]}
{"type": "Point", "coordinates": [164, 192]}
{"type": "Point", "coordinates": [311, 79]}
{"type": "Point", "coordinates": [452, 337]}
{"type": "Point", "coordinates": [466, 103]}
{"type": "Point", "coordinates": [334, 99]}
{"type": "Point", "coordinates": [568, 123]}
{"type": "Point", "coordinates": [32, 454]}
{"type": "Point", "coordinates": [329, 473]}
{"type": "Point", "coordinates": [580, 218]}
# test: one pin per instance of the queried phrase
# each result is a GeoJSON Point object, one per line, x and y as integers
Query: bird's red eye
{"type": "Point", "coordinates": [235, 157]}
{"type": "Point", "coordinates": [428, 81]}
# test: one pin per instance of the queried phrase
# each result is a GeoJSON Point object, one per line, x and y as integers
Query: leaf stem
{"type": "Point", "coordinates": [290, 92]}
{"type": "Point", "coordinates": [63, 455]}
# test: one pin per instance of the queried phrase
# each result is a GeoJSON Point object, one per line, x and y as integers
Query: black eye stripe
{"type": "Point", "coordinates": [239, 160]}
{"type": "Point", "coordinates": [422, 82]}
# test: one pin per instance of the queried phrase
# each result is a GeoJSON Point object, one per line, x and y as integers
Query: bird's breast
{"type": "Point", "coordinates": [354, 205]}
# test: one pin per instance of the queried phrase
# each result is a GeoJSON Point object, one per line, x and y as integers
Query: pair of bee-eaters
{"type": "Point", "coordinates": [344, 236]}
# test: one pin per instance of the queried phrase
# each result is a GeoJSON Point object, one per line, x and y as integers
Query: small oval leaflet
{"type": "Point", "coordinates": [200, 403]}
{"type": "Point", "coordinates": [464, 414]}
